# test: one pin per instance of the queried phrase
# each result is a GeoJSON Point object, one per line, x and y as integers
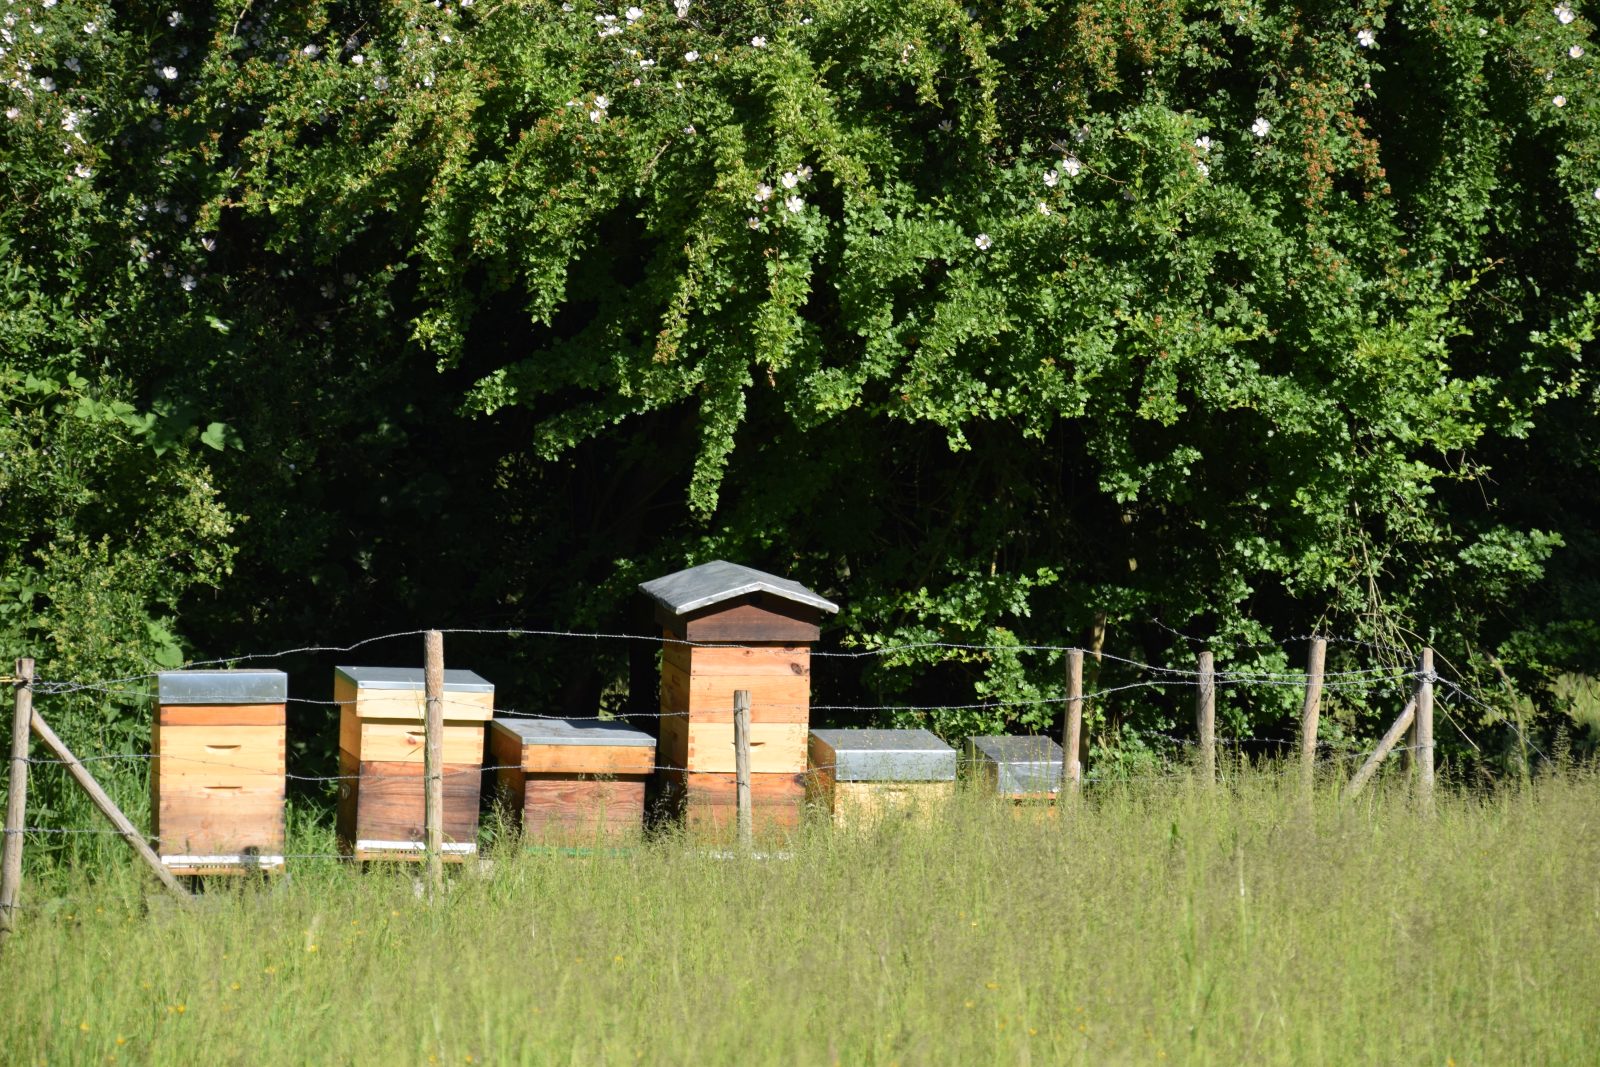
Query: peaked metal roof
{"type": "Point", "coordinates": [712, 583]}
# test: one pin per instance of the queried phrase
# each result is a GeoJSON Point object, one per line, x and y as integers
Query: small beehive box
{"type": "Point", "coordinates": [1019, 768]}
{"type": "Point", "coordinates": [217, 780]}
{"type": "Point", "coordinates": [571, 778]}
{"type": "Point", "coordinates": [382, 742]}
{"type": "Point", "coordinates": [728, 627]}
{"type": "Point", "coordinates": [864, 776]}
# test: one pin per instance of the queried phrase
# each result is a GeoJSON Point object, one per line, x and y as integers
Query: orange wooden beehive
{"type": "Point", "coordinates": [729, 627]}
{"type": "Point", "coordinates": [381, 746]}
{"type": "Point", "coordinates": [572, 778]}
{"type": "Point", "coordinates": [217, 780]}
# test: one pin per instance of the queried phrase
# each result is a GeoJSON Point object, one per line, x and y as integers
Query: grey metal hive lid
{"type": "Point", "coordinates": [411, 678]}
{"type": "Point", "coordinates": [575, 732]}
{"type": "Point", "coordinates": [884, 755]}
{"type": "Point", "coordinates": [222, 687]}
{"type": "Point", "coordinates": [1015, 749]}
{"type": "Point", "coordinates": [712, 583]}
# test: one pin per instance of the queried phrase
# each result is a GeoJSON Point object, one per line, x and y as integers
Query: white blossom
{"type": "Point", "coordinates": [1203, 143]}
{"type": "Point", "coordinates": [358, 59]}
{"type": "Point", "coordinates": [790, 179]}
{"type": "Point", "coordinates": [1366, 38]}
{"type": "Point", "coordinates": [984, 242]}
{"type": "Point", "coordinates": [605, 20]}
{"type": "Point", "coordinates": [690, 56]}
{"type": "Point", "coordinates": [596, 115]}
{"type": "Point", "coordinates": [466, 4]}
{"type": "Point", "coordinates": [1050, 178]}
{"type": "Point", "coordinates": [1044, 208]}
{"type": "Point", "coordinates": [73, 64]}
{"type": "Point", "coordinates": [49, 3]}
{"type": "Point", "coordinates": [69, 121]}
{"type": "Point", "coordinates": [758, 42]}
{"type": "Point", "coordinates": [380, 83]}
{"type": "Point", "coordinates": [175, 19]}
{"type": "Point", "coordinates": [90, 28]}
{"type": "Point", "coordinates": [1559, 101]}
{"type": "Point", "coordinates": [169, 73]}
{"type": "Point", "coordinates": [1576, 51]}
{"type": "Point", "coordinates": [946, 125]}
{"type": "Point", "coordinates": [311, 51]}
{"type": "Point", "coordinates": [1563, 13]}
{"type": "Point", "coordinates": [763, 191]}
{"type": "Point", "coordinates": [795, 204]}
{"type": "Point", "coordinates": [804, 173]}
{"type": "Point", "coordinates": [681, 7]}
{"type": "Point", "coordinates": [188, 283]}
{"type": "Point", "coordinates": [208, 243]}
{"type": "Point", "coordinates": [446, 38]}
{"type": "Point", "coordinates": [1204, 169]}
{"type": "Point", "coordinates": [602, 101]}
{"type": "Point", "coordinates": [634, 14]}
{"type": "Point", "coordinates": [1071, 166]}
{"type": "Point", "coordinates": [151, 91]}
{"type": "Point", "coordinates": [1260, 127]}
{"type": "Point", "coordinates": [15, 113]}
{"type": "Point", "coordinates": [689, 129]}
{"type": "Point", "coordinates": [82, 171]}
{"type": "Point", "coordinates": [753, 222]}
{"type": "Point", "coordinates": [47, 84]}
{"type": "Point", "coordinates": [1596, 192]}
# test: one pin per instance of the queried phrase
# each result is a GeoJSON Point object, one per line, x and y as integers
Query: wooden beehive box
{"type": "Point", "coordinates": [217, 780]}
{"type": "Point", "coordinates": [572, 778]}
{"type": "Point", "coordinates": [864, 776]}
{"type": "Point", "coordinates": [729, 627]}
{"type": "Point", "coordinates": [382, 711]}
{"type": "Point", "coordinates": [1019, 768]}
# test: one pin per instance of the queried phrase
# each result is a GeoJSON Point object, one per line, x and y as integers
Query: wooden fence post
{"type": "Point", "coordinates": [1311, 712]}
{"type": "Point", "coordinates": [1425, 728]}
{"type": "Point", "coordinates": [1205, 715]}
{"type": "Point", "coordinates": [433, 755]}
{"type": "Point", "coordinates": [107, 806]}
{"type": "Point", "coordinates": [1369, 768]}
{"type": "Point", "coordinates": [1072, 730]}
{"type": "Point", "coordinates": [741, 766]}
{"type": "Point", "coordinates": [16, 801]}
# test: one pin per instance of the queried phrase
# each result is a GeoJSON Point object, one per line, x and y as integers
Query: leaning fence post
{"type": "Point", "coordinates": [433, 755]}
{"type": "Point", "coordinates": [1205, 715]}
{"type": "Point", "coordinates": [17, 801]}
{"type": "Point", "coordinates": [741, 765]}
{"type": "Point", "coordinates": [1311, 712]}
{"type": "Point", "coordinates": [1425, 728]}
{"type": "Point", "coordinates": [1072, 732]}
{"type": "Point", "coordinates": [1369, 768]}
{"type": "Point", "coordinates": [107, 806]}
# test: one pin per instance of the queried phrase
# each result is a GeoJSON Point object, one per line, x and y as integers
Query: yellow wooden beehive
{"type": "Point", "coordinates": [217, 779]}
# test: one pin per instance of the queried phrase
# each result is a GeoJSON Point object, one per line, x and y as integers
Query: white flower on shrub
{"type": "Point", "coordinates": [1260, 127]}
{"type": "Point", "coordinates": [73, 64]}
{"type": "Point", "coordinates": [175, 19]}
{"type": "Point", "coordinates": [1559, 101]}
{"type": "Point", "coordinates": [1203, 143]}
{"type": "Point", "coordinates": [1050, 178]}
{"type": "Point", "coordinates": [1366, 38]}
{"type": "Point", "coordinates": [169, 73]}
{"type": "Point", "coordinates": [1563, 13]}
{"type": "Point", "coordinates": [758, 42]}
{"type": "Point", "coordinates": [47, 84]}
{"type": "Point", "coordinates": [1044, 208]}
{"type": "Point", "coordinates": [188, 282]}
{"type": "Point", "coordinates": [633, 14]}
{"type": "Point", "coordinates": [1070, 166]}
{"type": "Point", "coordinates": [311, 51]}
{"type": "Point", "coordinates": [795, 204]}
{"type": "Point", "coordinates": [984, 242]}
{"type": "Point", "coordinates": [690, 56]}
{"type": "Point", "coordinates": [763, 191]}
{"type": "Point", "coordinates": [1576, 51]}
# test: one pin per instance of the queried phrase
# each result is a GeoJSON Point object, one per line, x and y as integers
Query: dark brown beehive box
{"type": "Point", "coordinates": [381, 756]}
{"type": "Point", "coordinates": [759, 629]}
{"type": "Point", "coordinates": [217, 780]}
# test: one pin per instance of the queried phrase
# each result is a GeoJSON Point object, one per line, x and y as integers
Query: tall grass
{"type": "Point", "coordinates": [1159, 923]}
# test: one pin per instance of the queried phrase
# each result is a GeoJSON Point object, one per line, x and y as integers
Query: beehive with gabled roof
{"type": "Point", "coordinates": [729, 627]}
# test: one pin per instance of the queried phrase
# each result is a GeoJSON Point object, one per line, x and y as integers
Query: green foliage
{"type": "Point", "coordinates": [994, 322]}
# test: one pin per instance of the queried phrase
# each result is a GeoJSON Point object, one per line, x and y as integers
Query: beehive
{"type": "Point", "coordinates": [773, 622]}
{"type": "Point", "coordinates": [572, 778]}
{"type": "Point", "coordinates": [864, 776]}
{"type": "Point", "coordinates": [217, 779]}
{"type": "Point", "coordinates": [1020, 768]}
{"type": "Point", "coordinates": [382, 712]}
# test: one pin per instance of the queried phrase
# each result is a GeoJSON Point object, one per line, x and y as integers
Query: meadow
{"type": "Point", "coordinates": [1157, 922]}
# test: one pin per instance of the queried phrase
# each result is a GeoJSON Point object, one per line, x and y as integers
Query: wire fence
{"type": "Point", "coordinates": [1368, 682]}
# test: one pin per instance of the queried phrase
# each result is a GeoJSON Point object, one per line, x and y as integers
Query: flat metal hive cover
{"type": "Point", "coordinates": [411, 678]}
{"type": "Point", "coordinates": [222, 687]}
{"type": "Point", "coordinates": [1020, 764]}
{"type": "Point", "coordinates": [883, 755]}
{"type": "Point", "coordinates": [575, 732]}
{"type": "Point", "coordinates": [712, 583]}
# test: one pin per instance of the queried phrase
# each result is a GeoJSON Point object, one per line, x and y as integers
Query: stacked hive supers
{"type": "Point", "coordinates": [730, 628]}
{"type": "Point", "coordinates": [381, 754]}
{"type": "Point", "coordinates": [217, 781]}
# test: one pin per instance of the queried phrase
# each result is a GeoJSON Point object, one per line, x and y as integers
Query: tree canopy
{"type": "Point", "coordinates": [1001, 324]}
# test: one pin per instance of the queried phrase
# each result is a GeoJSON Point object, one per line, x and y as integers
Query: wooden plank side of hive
{"type": "Point", "coordinates": [222, 715]}
{"type": "Point", "coordinates": [561, 806]}
{"type": "Point", "coordinates": [775, 747]}
{"type": "Point", "coordinates": [220, 755]}
{"type": "Point", "coordinates": [588, 759]}
{"type": "Point", "coordinates": [773, 697]}
{"type": "Point", "coordinates": [404, 741]}
{"type": "Point", "coordinates": [391, 801]}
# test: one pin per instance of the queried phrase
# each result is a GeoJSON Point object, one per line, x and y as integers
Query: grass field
{"type": "Point", "coordinates": [1159, 924]}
